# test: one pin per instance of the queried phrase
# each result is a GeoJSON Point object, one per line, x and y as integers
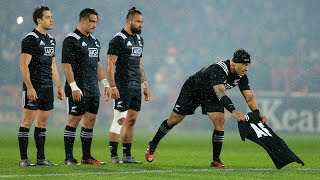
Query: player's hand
{"type": "Point", "coordinates": [61, 93]}
{"type": "Point", "coordinates": [77, 95]}
{"type": "Point", "coordinates": [115, 93]}
{"type": "Point", "coordinates": [32, 94]}
{"type": "Point", "coordinates": [239, 115]}
{"type": "Point", "coordinates": [107, 93]}
{"type": "Point", "coordinates": [264, 119]}
{"type": "Point", "coordinates": [147, 94]}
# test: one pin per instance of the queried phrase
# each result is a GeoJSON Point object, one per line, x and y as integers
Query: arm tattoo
{"type": "Point", "coordinates": [143, 75]}
{"type": "Point", "coordinates": [220, 91]}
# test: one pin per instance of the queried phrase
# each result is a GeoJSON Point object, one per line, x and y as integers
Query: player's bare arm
{"type": "Point", "coordinates": [220, 91]}
{"type": "Point", "coordinates": [56, 79]}
{"type": "Point", "coordinates": [76, 92]}
{"type": "Point", "coordinates": [111, 61]}
{"type": "Point", "coordinates": [25, 60]}
{"type": "Point", "coordinates": [103, 81]}
{"type": "Point", "coordinates": [252, 102]}
{"type": "Point", "coordinates": [146, 92]}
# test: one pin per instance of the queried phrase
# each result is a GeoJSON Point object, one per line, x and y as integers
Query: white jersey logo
{"type": "Point", "coordinates": [48, 51]}
{"type": "Point", "coordinates": [136, 51]}
{"type": "Point", "coordinates": [93, 52]}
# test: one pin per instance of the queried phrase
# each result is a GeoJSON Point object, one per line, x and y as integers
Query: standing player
{"type": "Point", "coordinates": [125, 55]}
{"type": "Point", "coordinates": [38, 69]}
{"type": "Point", "coordinates": [83, 70]}
{"type": "Point", "coordinates": [207, 88]}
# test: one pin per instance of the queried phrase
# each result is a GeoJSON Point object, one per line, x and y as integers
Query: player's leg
{"type": "Point", "coordinates": [127, 135]}
{"type": "Point", "coordinates": [163, 129]}
{"type": "Point", "coordinates": [75, 111]}
{"type": "Point", "coordinates": [121, 106]}
{"type": "Point", "coordinates": [86, 135]}
{"type": "Point", "coordinates": [46, 99]}
{"type": "Point", "coordinates": [29, 112]}
{"type": "Point", "coordinates": [218, 120]}
{"type": "Point", "coordinates": [28, 117]}
{"type": "Point", "coordinates": [185, 105]}
{"type": "Point", "coordinates": [40, 136]}
{"type": "Point", "coordinates": [114, 134]}
{"type": "Point", "coordinates": [128, 125]}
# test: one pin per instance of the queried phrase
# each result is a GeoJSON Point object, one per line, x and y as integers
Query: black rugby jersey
{"type": "Point", "coordinates": [219, 73]}
{"type": "Point", "coordinates": [42, 49]}
{"type": "Point", "coordinates": [129, 49]}
{"type": "Point", "coordinates": [83, 53]}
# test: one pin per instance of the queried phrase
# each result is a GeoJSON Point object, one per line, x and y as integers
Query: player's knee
{"type": "Point", "coordinates": [118, 118]}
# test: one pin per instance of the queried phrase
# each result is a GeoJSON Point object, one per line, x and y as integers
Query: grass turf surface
{"type": "Point", "coordinates": [180, 155]}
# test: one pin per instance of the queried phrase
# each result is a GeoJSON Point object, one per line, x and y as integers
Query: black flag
{"type": "Point", "coordinates": [260, 133]}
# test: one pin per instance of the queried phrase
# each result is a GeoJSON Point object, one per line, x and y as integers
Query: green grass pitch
{"type": "Point", "coordinates": [180, 155]}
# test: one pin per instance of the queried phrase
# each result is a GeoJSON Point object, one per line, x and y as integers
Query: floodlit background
{"type": "Point", "coordinates": [182, 36]}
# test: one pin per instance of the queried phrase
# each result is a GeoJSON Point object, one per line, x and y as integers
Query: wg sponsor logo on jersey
{"type": "Point", "coordinates": [93, 52]}
{"type": "Point", "coordinates": [136, 51]}
{"type": "Point", "coordinates": [48, 51]}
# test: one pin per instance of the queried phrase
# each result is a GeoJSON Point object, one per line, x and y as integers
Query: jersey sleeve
{"type": "Point", "coordinates": [68, 50]}
{"type": "Point", "coordinates": [217, 75]}
{"type": "Point", "coordinates": [142, 42]}
{"type": "Point", "coordinates": [244, 83]}
{"type": "Point", "coordinates": [115, 46]}
{"type": "Point", "coordinates": [29, 45]}
{"type": "Point", "coordinates": [54, 42]}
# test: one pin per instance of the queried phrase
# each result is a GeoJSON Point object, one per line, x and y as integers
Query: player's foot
{"type": "Point", "coordinates": [92, 161]}
{"type": "Point", "coordinates": [130, 159]}
{"type": "Point", "coordinates": [45, 162]}
{"type": "Point", "coordinates": [150, 152]}
{"type": "Point", "coordinates": [25, 162]}
{"type": "Point", "coordinates": [217, 163]}
{"type": "Point", "coordinates": [71, 161]}
{"type": "Point", "coordinates": [114, 160]}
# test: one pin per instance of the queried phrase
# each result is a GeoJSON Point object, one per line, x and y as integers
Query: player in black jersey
{"type": "Point", "coordinates": [125, 55]}
{"type": "Point", "coordinates": [38, 70]}
{"type": "Point", "coordinates": [207, 88]}
{"type": "Point", "coordinates": [83, 71]}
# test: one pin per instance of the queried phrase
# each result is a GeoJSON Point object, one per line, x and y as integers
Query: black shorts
{"type": "Point", "coordinates": [130, 98]}
{"type": "Point", "coordinates": [191, 97]}
{"type": "Point", "coordinates": [44, 101]}
{"type": "Point", "coordinates": [87, 104]}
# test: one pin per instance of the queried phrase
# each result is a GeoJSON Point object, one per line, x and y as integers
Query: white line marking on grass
{"type": "Point", "coordinates": [152, 171]}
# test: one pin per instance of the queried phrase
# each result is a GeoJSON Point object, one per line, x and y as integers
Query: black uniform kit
{"type": "Point", "coordinates": [82, 52]}
{"type": "Point", "coordinates": [254, 130]}
{"type": "Point", "coordinates": [198, 91]}
{"type": "Point", "coordinates": [42, 49]}
{"type": "Point", "coordinates": [129, 49]}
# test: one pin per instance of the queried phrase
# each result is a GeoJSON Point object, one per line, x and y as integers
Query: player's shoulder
{"type": "Point", "coordinates": [221, 65]}
{"type": "Point", "coordinates": [31, 36]}
{"type": "Point", "coordinates": [139, 37]}
{"type": "Point", "coordinates": [118, 38]}
{"type": "Point", "coordinates": [73, 36]}
{"type": "Point", "coordinates": [50, 36]}
{"type": "Point", "coordinates": [120, 35]}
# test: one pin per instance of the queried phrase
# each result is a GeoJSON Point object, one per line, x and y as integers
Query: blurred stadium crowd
{"type": "Point", "coordinates": [180, 38]}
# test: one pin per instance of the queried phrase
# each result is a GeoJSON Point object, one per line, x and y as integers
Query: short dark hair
{"type": "Point", "coordinates": [241, 56]}
{"type": "Point", "coordinates": [85, 13]}
{"type": "Point", "coordinates": [132, 11]}
{"type": "Point", "coordinates": [38, 13]}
